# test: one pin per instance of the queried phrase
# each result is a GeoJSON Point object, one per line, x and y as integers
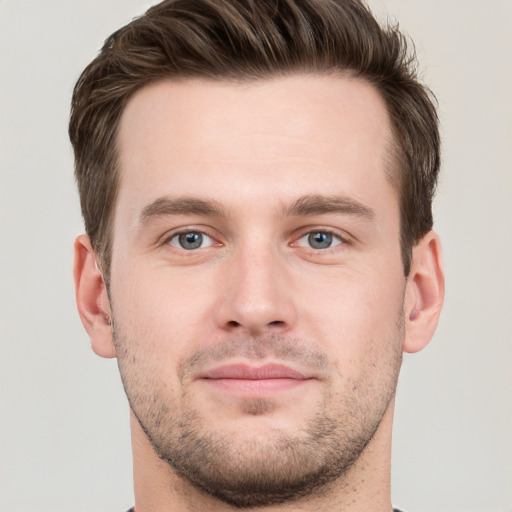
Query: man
{"type": "Point", "coordinates": [256, 180]}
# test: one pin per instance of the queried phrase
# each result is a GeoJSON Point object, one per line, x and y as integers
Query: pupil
{"type": "Point", "coordinates": [191, 240]}
{"type": "Point", "coordinates": [320, 240]}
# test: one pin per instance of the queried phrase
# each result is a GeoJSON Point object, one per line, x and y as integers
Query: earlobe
{"type": "Point", "coordinates": [92, 298]}
{"type": "Point", "coordinates": [424, 293]}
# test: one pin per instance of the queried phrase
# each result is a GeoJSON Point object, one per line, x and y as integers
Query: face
{"type": "Point", "coordinates": [257, 286]}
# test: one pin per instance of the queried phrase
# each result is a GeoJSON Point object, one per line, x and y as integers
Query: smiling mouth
{"type": "Point", "coordinates": [254, 381]}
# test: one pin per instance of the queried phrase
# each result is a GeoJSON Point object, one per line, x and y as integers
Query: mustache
{"type": "Point", "coordinates": [257, 348]}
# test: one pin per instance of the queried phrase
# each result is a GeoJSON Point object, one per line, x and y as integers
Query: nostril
{"type": "Point", "coordinates": [232, 324]}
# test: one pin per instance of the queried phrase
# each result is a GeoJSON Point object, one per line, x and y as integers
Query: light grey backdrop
{"type": "Point", "coordinates": [64, 437]}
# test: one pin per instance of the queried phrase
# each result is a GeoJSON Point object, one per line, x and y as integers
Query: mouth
{"type": "Point", "coordinates": [254, 381]}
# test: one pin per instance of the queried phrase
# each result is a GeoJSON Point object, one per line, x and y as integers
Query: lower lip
{"type": "Point", "coordinates": [256, 386]}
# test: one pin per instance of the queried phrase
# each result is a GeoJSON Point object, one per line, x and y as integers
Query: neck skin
{"type": "Point", "coordinates": [365, 488]}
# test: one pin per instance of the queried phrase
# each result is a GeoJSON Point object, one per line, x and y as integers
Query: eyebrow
{"type": "Point", "coordinates": [180, 206]}
{"type": "Point", "coordinates": [312, 204]}
{"type": "Point", "coordinates": [319, 205]}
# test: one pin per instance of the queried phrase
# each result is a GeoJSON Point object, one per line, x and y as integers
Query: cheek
{"type": "Point", "coordinates": [162, 310]}
{"type": "Point", "coordinates": [354, 310]}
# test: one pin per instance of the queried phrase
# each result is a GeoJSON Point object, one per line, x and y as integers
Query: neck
{"type": "Point", "coordinates": [364, 488]}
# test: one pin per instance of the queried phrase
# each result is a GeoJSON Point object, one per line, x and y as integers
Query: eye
{"type": "Point", "coordinates": [190, 240]}
{"type": "Point", "coordinates": [319, 240]}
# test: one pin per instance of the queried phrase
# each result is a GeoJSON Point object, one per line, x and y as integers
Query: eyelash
{"type": "Point", "coordinates": [341, 240]}
{"type": "Point", "coordinates": [184, 232]}
{"type": "Point", "coordinates": [335, 236]}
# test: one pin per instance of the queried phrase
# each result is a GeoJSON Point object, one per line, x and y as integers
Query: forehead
{"type": "Point", "coordinates": [298, 134]}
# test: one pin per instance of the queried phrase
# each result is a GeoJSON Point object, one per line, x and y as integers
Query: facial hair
{"type": "Point", "coordinates": [245, 469]}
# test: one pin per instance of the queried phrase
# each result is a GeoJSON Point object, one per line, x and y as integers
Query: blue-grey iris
{"type": "Point", "coordinates": [190, 240]}
{"type": "Point", "coordinates": [320, 240]}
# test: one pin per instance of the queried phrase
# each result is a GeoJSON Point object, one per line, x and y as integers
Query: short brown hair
{"type": "Point", "coordinates": [242, 40]}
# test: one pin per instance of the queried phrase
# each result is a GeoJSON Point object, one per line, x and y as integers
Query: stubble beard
{"type": "Point", "coordinates": [248, 470]}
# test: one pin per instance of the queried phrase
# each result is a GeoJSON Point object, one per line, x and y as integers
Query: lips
{"type": "Point", "coordinates": [244, 372]}
{"type": "Point", "coordinates": [254, 381]}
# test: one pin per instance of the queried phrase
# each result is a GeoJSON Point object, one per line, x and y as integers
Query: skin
{"type": "Point", "coordinates": [257, 169]}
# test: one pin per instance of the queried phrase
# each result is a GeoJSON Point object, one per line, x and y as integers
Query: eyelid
{"type": "Point", "coordinates": [206, 239]}
{"type": "Point", "coordinates": [343, 236]}
{"type": "Point", "coordinates": [337, 240]}
{"type": "Point", "coordinates": [203, 230]}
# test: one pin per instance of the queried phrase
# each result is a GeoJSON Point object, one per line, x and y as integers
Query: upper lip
{"type": "Point", "coordinates": [247, 372]}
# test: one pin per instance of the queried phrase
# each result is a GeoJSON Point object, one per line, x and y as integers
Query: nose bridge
{"type": "Point", "coordinates": [256, 297]}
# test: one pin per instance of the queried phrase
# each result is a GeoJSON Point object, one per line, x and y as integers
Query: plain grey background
{"type": "Point", "coordinates": [64, 434]}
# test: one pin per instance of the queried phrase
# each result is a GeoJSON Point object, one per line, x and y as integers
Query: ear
{"type": "Point", "coordinates": [424, 293]}
{"type": "Point", "coordinates": [92, 298]}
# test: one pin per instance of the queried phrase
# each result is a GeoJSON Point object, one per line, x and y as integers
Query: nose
{"type": "Point", "coordinates": [255, 296]}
